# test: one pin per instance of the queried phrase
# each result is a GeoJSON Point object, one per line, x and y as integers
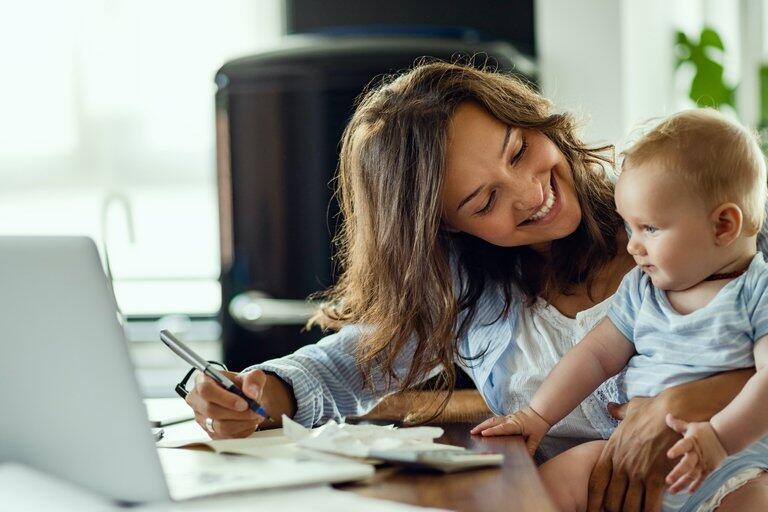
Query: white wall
{"type": "Point", "coordinates": [608, 61]}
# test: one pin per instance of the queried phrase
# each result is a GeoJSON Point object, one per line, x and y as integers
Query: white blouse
{"type": "Point", "coordinates": [544, 335]}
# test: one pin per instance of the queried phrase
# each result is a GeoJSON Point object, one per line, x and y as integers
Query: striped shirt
{"type": "Point", "coordinates": [674, 348]}
{"type": "Point", "coordinates": [326, 379]}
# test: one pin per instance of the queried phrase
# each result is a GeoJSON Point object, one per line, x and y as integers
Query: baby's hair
{"type": "Point", "coordinates": [718, 158]}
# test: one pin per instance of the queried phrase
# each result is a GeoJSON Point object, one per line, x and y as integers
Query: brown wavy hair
{"type": "Point", "coordinates": [393, 251]}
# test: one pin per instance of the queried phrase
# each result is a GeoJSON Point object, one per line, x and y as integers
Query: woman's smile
{"type": "Point", "coordinates": [549, 209]}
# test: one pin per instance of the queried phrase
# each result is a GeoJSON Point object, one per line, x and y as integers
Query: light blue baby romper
{"type": "Point", "coordinates": [673, 348]}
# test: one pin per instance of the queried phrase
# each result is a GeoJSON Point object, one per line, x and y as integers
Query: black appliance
{"type": "Point", "coordinates": [279, 119]}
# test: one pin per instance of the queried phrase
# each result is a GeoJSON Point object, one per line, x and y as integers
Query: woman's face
{"type": "Point", "coordinates": [506, 185]}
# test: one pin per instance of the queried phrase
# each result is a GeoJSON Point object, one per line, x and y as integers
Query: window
{"type": "Point", "coordinates": [108, 123]}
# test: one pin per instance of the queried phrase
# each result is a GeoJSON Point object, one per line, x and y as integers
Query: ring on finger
{"type": "Point", "coordinates": [209, 425]}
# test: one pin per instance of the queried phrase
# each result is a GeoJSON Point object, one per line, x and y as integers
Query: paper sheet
{"type": "Point", "coordinates": [194, 473]}
{"type": "Point", "coordinates": [168, 410]}
{"type": "Point", "coordinates": [360, 440]}
{"type": "Point", "coordinates": [332, 441]}
{"type": "Point", "coordinates": [262, 443]}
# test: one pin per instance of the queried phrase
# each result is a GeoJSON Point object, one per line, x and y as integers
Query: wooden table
{"type": "Point", "coordinates": [513, 487]}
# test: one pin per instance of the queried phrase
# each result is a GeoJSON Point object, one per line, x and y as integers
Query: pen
{"type": "Point", "coordinates": [206, 368]}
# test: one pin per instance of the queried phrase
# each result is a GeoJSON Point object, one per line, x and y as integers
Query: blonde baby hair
{"type": "Point", "coordinates": [718, 158]}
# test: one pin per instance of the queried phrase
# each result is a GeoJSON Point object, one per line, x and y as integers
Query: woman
{"type": "Point", "coordinates": [479, 230]}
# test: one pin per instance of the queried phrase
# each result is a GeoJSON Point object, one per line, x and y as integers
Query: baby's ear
{"type": "Point", "coordinates": [727, 221]}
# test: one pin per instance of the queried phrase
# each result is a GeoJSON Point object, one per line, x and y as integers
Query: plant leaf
{"type": "Point", "coordinates": [709, 37]}
{"type": "Point", "coordinates": [708, 87]}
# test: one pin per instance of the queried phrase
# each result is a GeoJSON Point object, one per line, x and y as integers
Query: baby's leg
{"type": "Point", "coordinates": [566, 477]}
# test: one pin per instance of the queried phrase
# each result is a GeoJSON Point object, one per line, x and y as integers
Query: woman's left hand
{"type": "Point", "coordinates": [630, 473]}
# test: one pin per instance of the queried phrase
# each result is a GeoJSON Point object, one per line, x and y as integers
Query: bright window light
{"type": "Point", "coordinates": [108, 104]}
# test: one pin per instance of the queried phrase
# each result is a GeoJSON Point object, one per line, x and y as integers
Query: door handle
{"type": "Point", "coordinates": [256, 311]}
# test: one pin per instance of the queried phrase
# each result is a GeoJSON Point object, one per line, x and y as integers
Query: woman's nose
{"type": "Point", "coordinates": [528, 194]}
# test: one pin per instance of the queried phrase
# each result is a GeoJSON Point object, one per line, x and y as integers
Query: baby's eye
{"type": "Point", "coordinates": [650, 229]}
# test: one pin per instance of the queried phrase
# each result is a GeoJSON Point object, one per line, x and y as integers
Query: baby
{"type": "Point", "coordinates": [692, 193]}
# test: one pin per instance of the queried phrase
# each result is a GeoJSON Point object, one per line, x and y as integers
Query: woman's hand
{"type": "Point", "coordinates": [631, 470]}
{"type": "Point", "coordinates": [629, 475]}
{"type": "Point", "coordinates": [701, 452]}
{"type": "Point", "coordinates": [525, 422]}
{"type": "Point", "coordinates": [224, 415]}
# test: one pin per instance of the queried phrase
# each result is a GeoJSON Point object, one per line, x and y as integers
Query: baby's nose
{"type": "Point", "coordinates": [634, 248]}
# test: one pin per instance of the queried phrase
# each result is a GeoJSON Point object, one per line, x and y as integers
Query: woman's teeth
{"type": "Point", "coordinates": [545, 207]}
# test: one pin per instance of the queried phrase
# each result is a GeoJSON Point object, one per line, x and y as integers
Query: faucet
{"type": "Point", "coordinates": [114, 198]}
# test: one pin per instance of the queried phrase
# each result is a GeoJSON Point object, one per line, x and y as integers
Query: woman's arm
{"type": "Point", "coordinates": [316, 383]}
{"type": "Point", "coordinates": [634, 463]}
{"type": "Point", "coordinates": [326, 381]}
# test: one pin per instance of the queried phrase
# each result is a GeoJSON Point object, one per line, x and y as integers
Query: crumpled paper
{"type": "Point", "coordinates": [360, 440]}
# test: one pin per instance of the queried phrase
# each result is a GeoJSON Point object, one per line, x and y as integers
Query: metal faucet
{"type": "Point", "coordinates": [114, 198]}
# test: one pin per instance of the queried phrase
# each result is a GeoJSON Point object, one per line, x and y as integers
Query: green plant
{"type": "Point", "coordinates": [763, 123]}
{"type": "Point", "coordinates": [708, 87]}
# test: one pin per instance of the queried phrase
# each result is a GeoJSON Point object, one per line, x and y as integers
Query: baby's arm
{"type": "Point", "coordinates": [600, 355]}
{"type": "Point", "coordinates": [739, 424]}
{"type": "Point", "coordinates": [745, 419]}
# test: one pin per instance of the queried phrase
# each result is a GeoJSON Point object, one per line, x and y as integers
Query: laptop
{"type": "Point", "coordinates": [70, 404]}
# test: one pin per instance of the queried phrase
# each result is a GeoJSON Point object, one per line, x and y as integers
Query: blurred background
{"type": "Point", "coordinates": [195, 141]}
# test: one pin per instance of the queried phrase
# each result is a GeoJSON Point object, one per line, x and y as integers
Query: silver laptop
{"type": "Point", "coordinates": [69, 401]}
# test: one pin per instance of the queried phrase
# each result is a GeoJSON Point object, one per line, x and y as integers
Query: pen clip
{"type": "Point", "coordinates": [181, 350]}
{"type": "Point", "coordinates": [216, 375]}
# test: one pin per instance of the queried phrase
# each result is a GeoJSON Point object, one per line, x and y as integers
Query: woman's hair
{"type": "Point", "coordinates": [394, 253]}
{"type": "Point", "coordinates": [718, 160]}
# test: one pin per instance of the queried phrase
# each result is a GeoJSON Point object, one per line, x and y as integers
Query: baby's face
{"type": "Point", "coordinates": [672, 238]}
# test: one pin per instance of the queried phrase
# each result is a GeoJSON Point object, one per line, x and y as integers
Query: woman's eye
{"type": "Point", "coordinates": [523, 146]}
{"type": "Point", "coordinates": [487, 208]}
{"type": "Point", "coordinates": [650, 229]}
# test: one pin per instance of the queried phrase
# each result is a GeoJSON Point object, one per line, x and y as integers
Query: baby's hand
{"type": "Point", "coordinates": [525, 422]}
{"type": "Point", "coordinates": [701, 450]}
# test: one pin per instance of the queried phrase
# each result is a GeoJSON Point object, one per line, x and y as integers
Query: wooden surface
{"type": "Point", "coordinates": [413, 407]}
{"type": "Point", "coordinates": [514, 486]}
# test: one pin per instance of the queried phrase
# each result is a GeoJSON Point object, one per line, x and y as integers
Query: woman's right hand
{"type": "Point", "coordinates": [229, 414]}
